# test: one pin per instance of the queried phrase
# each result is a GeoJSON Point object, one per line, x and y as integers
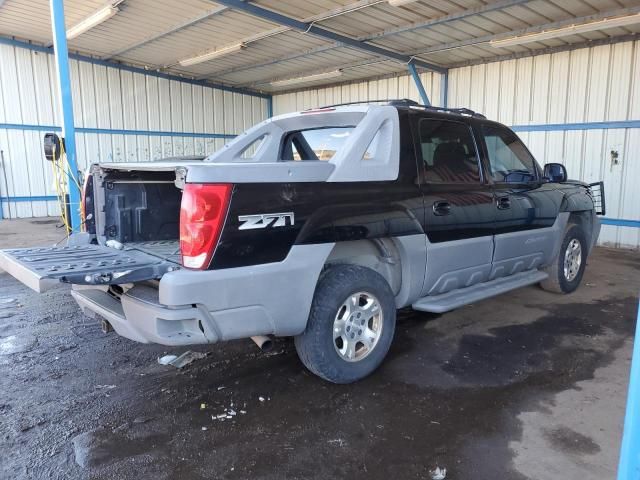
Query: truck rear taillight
{"type": "Point", "coordinates": [202, 213]}
{"type": "Point", "coordinates": [88, 221]}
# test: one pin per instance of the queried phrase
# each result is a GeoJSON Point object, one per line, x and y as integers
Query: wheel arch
{"type": "Point", "coordinates": [579, 205]}
{"type": "Point", "coordinates": [585, 220]}
{"type": "Point", "coordinates": [401, 261]}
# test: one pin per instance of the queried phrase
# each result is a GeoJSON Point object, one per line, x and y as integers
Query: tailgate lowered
{"type": "Point", "coordinates": [43, 267]}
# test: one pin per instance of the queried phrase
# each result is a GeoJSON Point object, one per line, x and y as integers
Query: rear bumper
{"type": "Point", "coordinates": [137, 317]}
{"type": "Point", "coordinates": [194, 307]}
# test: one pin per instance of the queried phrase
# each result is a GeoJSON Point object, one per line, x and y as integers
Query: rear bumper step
{"type": "Point", "coordinates": [136, 316]}
{"type": "Point", "coordinates": [463, 296]}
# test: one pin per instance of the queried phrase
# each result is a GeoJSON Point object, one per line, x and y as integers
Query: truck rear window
{"type": "Point", "coordinates": [314, 144]}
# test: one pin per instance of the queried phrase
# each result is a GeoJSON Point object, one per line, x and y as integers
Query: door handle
{"type": "Point", "coordinates": [441, 208]}
{"type": "Point", "coordinates": [503, 203]}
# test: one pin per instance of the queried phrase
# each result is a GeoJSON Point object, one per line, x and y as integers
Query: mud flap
{"type": "Point", "coordinates": [41, 268]}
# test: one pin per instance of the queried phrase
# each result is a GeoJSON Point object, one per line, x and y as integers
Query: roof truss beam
{"type": "Point", "coordinates": [176, 28]}
{"type": "Point", "coordinates": [549, 50]}
{"type": "Point", "coordinates": [256, 84]}
{"type": "Point", "coordinates": [406, 28]}
{"type": "Point", "coordinates": [516, 33]}
{"type": "Point", "coordinates": [447, 46]}
{"type": "Point", "coordinates": [492, 7]}
{"type": "Point", "coordinates": [221, 9]}
{"type": "Point", "coordinates": [325, 34]}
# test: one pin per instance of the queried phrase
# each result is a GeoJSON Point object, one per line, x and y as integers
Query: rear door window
{"type": "Point", "coordinates": [448, 152]}
{"type": "Point", "coordinates": [314, 144]}
{"type": "Point", "coordinates": [509, 159]}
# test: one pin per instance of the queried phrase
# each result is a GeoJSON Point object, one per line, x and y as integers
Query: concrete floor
{"type": "Point", "coordinates": [528, 385]}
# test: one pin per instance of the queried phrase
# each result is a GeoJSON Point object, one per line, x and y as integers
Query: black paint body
{"type": "Point", "coordinates": [336, 211]}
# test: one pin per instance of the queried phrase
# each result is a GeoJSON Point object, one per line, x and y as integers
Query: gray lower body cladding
{"type": "Point", "coordinates": [192, 307]}
{"type": "Point", "coordinates": [463, 263]}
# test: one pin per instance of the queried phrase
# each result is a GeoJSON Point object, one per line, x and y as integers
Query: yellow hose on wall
{"type": "Point", "coordinates": [61, 172]}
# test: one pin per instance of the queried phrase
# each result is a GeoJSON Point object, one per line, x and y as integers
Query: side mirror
{"type": "Point", "coordinates": [555, 172]}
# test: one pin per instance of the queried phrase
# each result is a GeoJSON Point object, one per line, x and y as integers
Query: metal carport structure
{"type": "Point", "coordinates": [251, 59]}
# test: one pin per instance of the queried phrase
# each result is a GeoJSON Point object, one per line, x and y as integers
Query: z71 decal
{"type": "Point", "coordinates": [264, 220]}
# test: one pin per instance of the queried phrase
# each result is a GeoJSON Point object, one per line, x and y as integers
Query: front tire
{"type": "Point", "coordinates": [351, 324]}
{"type": "Point", "coordinates": [565, 274]}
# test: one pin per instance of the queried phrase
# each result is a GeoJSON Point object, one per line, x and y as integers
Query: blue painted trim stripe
{"type": "Point", "coordinates": [618, 222]}
{"type": "Point", "coordinates": [127, 68]}
{"type": "Point", "coordinates": [552, 127]}
{"type": "Point", "coordinates": [110, 131]}
{"type": "Point", "coordinates": [629, 466]}
{"type": "Point", "coordinates": [20, 126]}
{"type": "Point", "coordinates": [556, 127]}
{"type": "Point", "coordinates": [36, 198]}
{"type": "Point", "coordinates": [42, 198]}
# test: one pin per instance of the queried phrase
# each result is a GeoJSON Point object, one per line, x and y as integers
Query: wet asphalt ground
{"type": "Point", "coordinates": [525, 385]}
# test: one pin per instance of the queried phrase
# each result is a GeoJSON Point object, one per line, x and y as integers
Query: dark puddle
{"type": "Point", "coordinates": [102, 447]}
{"type": "Point", "coordinates": [455, 404]}
{"type": "Point", "coordinates": [570, 441]}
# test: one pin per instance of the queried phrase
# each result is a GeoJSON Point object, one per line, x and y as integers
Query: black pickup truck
{"type": "Point", "coordinates": [319, 225]}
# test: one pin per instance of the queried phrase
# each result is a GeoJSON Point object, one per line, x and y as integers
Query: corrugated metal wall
{"type": "Point", "coordinates": [396, 87]}
{"type": "Point", "coordinates": [129, 112]}
{"type": "Point", "coordinates": [598, 84]}
{"type": "Point", "coordinates": [556, 103]}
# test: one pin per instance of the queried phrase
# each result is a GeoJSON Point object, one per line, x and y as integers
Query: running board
{"type": "Point", "coordinates": [463, 296]}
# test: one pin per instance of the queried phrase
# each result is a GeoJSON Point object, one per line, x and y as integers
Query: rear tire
{"type": "Point", "coordinates": [565, 273]}
{"type": "Point", "coordinates": [351, 324]}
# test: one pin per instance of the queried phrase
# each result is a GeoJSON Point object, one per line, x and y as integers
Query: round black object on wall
{"type": "Point", "coordinates": [53, 145]}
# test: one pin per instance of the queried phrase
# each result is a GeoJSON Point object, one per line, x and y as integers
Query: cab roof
{"type": "Point", "coordinates": [405, 103]}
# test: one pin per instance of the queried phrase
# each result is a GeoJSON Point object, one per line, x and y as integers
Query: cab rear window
{"type": "Point", "coordinates": [314, 144]}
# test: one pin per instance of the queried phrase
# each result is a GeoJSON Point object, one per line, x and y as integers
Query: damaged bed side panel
{"type": "Point", "coordinates": [42, 268]}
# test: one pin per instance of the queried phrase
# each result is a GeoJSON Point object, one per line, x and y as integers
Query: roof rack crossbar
{"type": "Point", "coordinates": [406, 102]}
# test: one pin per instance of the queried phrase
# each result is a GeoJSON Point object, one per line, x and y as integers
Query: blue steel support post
{"type": "Point", "coordinates": [629, 468]}
{"type": "Point", "coordinates": [416, 78]}
{"type": "Point", "coordinates": [444, 89]}
{"type": "Point", "coordinates": [270, 106]}
{"type": "Point", "coordinates": [66, 105]}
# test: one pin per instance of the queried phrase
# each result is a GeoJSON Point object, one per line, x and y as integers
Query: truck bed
{"type": "Point", "coordinates": [164, 249]}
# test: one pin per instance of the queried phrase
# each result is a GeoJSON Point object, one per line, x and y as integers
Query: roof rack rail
{"type": "Point", "coordinates": [389, 101]}
{"type": "Point", "coordinates": [459, 111]}
{"type": "Point", "coordinates": [406, 102]}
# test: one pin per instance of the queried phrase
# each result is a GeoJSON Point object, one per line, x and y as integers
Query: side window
{"type": "Point", "coordinates": [509, 159]}
{"type": "Point", "coordinates": [373, 147]}
{"type": "Point", "coordinates": [448, 152]}
{"type": "Point", "coordinates": [252, 148]}
{"type": "Point", "coordinates": [314, 144]}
